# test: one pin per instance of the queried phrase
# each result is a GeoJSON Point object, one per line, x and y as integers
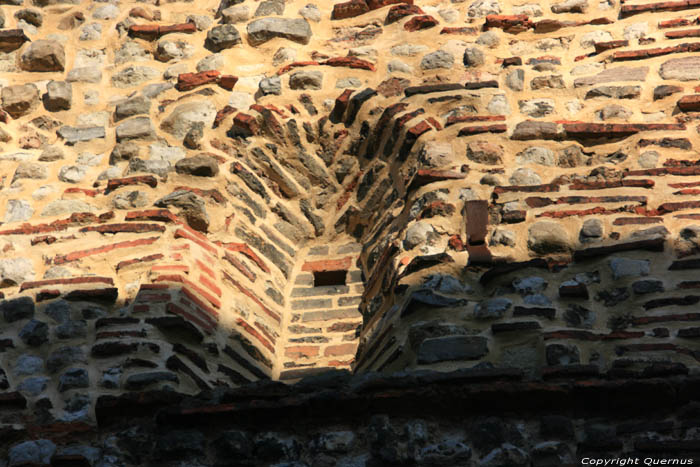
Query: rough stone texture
{"type": "Point", "coordinates": [497, 256]}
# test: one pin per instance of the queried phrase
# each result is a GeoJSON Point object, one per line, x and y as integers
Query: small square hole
{"type": "Point", "coordinates": [322, 278]}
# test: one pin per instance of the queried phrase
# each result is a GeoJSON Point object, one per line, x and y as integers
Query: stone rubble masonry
{"type": "Point", "coordinates": [204, 197]}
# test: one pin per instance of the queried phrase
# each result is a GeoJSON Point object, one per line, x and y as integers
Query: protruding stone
{"type": "Point", "coordinates": [44, 55]}
{"type": "Point", "coordinates": [262, 30]}
{"type": "Point", "coordinates": [306, 80]}
{"type": "Point", "coordinates": [546, 237]}
{"type": "Point", "coordinates": [59, 96]}
{"type": "Point", "coordinates": [222, 37]}
{"type": "Point", "coordinates": [19, 99]}
{"type": "Point", "coordinates": [200, 166]}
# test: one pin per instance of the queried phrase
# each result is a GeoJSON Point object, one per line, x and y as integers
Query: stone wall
{"type": "Point", "coordinates": [198, 199]}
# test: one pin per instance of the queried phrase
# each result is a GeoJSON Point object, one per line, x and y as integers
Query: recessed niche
{"type": "Point", "coordinates": [323, 278]}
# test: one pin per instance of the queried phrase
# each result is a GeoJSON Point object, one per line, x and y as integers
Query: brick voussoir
{"type": "Point", "coordinates": [76, 255]}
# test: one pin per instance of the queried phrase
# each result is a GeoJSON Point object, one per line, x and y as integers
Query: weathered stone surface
{"type": "Point", "coordinates": [44, 55]}
{"type": "Point", "coordinates": [59, 96]}
{"type": "Point", "coordinates": [262, 30]}
{"type": "Point", "coordinates": [200, 166]}
{"type": "Point", "coordinates": [19, 100]}
{"type": "Point", "coordinates": [74, 135]}
{"type": "Point", "coordinates": [139, 128]}
{"type": "Point", "coordinates": [222, 37]}
{"type": "Point", "coordinates": [306, 80]}
{"type": "Point", "coordinates": [184, 116]}
{"type": "Point", "coordinates": [546, 237]}
{"type": "Point", "coordinates": [681, 69]}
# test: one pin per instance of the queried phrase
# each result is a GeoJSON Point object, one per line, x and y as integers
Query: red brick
{"type": "Point", "coordinates": [599, 211]}
{"type": "Point", "coordinates": [509, 23]}
{"type": "Point", "coordinates": [293, 65]}
{"type": "Point", "coordinates": [228, 81]}
{"type": "Point", "coordinates": [418, 23]}
{"type": "Point", "coordinates": [349, 62]}
{"type": "Point", "coordinates": [301, 351]}
{"type": "Point", "coordinates": [400, 11]}
{"type": "Point", "coordinates": [222, 114]}
{"type": "Point", "coordinates": [161, 215]}
{"type": "Point", "coordinates": [189, 81]}
{"type": "Point", "coordinates": [152, 32]}
{"type": "Point", "coordinates": [376, 4]}
{"type": "Point", "coordinates": [249, 253]}
{"type": "Point", "coordinates": [683, 34]}
{"type": "Point", "coordinates": [590, 336]}
{"type": "Point", "coordinates": [205, 281]}
{"type": "Point", "coordinates": [328, 265]}
{"type": "Point", "coordinates": [689, 103]}
{"type": "Point", "coordinates": [341, 104]}
{"type": "Point", "coordinates": [115, 183]}
{"type": "Point", "coordinates": [479, 129]}
{"type": "Point", "coordinates": [181, 233]}
{"type": "Point", "coordinates": [83, 191]}
{"type": "Point", "coordinates": [204, 324]}
{"type": "Point", "coordinates": [250, 295]}
{"type": "Point", "coordinates": [242, 268]}
{"type": "Point", "coordinates": [426, 176]}
{"type": "Point", "coordinates": [253, 332]}
{"type": "Point", "coordinates": [349, 9]}
{"type": "Point", "coordinates": [674, 23]}
{"type": "Point", "coordinates": [48, 239]}
{"type": "Point", "coordinates": [76, 255]}
{"type": "Point", "coordinates": [245, 125]}
{"type": "Point", "coordinates": [637, 220]}
{"type": "Point", "coordinates": [455, 242]}
{"type": "Point", "coordinates": [340, 349]}
{"type": "Point", "coordinates": [601, 47]}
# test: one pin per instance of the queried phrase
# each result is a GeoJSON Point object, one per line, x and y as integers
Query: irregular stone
{"type": "Point", "coordinates": [624, 267]}
{"type": "Point", "coordinates": [592, 228]}
{"type": "Point", "coordinates": [272, 85]}
{"type": "Point", "coordinates": [222, 37]}
{"type": "Point", "coordinates": [306, 80]}
{"type": "Point", "coordinates": [493, 308]}
{"type": "Point", "coordinates": [72, 135]}
{"type": "Point", "coordinates": [481, 8]}
{"type": "Point", "coordinates": [72, 173]}
{"type": "Point", "coordinates": [134, 106]}
{"type": "Point", "coordinates": [473, 57]}
{"type": "Point", "coordinates": [417, 234]}
{"type": "Point", "coordinates": [59, 95]}
{"type": "Point", "coordinates": [106, 12]}
{"type": "Point", "coordinates": [269, 8]}
{"type": "Point", "coordinates": [485, 153]}
{"type": "Point", "coordinates": [18, 210]}
{"type": "Point", "coordinates": [436, 154]}
{"type": "Point", "coordinates": [537, 107]}
{"type": "Point", "coordinates": [515, 79]}
{"type": "Point", "coordinates": [131, 51]}
{"type": "Point", "coordinates": [524, 177]}
{"type": "Point", "coordinates": [43, 55]}
{"type": "Point", "coordinates": [85, 74]}
{"type": "Point", "coordinates": [546, 237]}
{"type": "Point", "coordinates": [561, 354]}
{"type": "Point", "coordinates": [34, 333]}
{"type": "Point", "coordinates": [184, 116]}
{"type": "Point", "coordinates": [37, 452]}
{"type": "Point", "coordinates": [133, 76]}
{"type": "Point", "coordinates": [262, 30]}
{"type": "Point", "coordinates": [536, 155]}
{"type": "Point", "coordinates": [590, 38]}
{"type": "Point", "coordinates": [91, 32]}
{"type": "Point", "coordinates": [200, 166]}
{"type": "Point", "coordinates": [136, 128]}
{"type": "Point", "coordinates": [507, 454]}
{"type": "Point", "coordinates": [498, 105]}
{"type": "Point", "coordinates": [311, 13]}
{"type": "Point", "coordinates": [142, 380]}
{"type": "Point", "coordinates": [19, 100]}
{"type": "Point", "coordinates": [15, 271]}
{"type": "Point", "coordinates": [130, 200]}
{"type": "Point", "coordinates": [73, 378]}
{"type": "Point", "coordinates": [437, 59]}
{"type": "Point", "coordinates": [18, 308]}
{"type": "Point", "coordinates": [648, 159]}
{"type": "Point", "coordinates": [235, 14]}
{"type": "Point", "coordinates": [167, 50]}
{"type": "Point", "coordinates": [31, 170]}
{"type": "Point", "coordinates": [66, 206]}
